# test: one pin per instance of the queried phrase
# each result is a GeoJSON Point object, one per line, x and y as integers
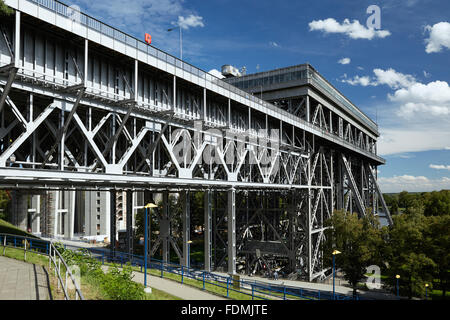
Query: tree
{"type": "Point", "coordinates": [4, 9]}
{"type": "Point", "coordinates": [394, 206]}
{"type": "Point", "coordinates": [357, 239]}
{"type": "Point", "coordinates": [438, 248]}
{"type": "Point", "coordinates": [437, 203]}
{"type": "Point", "coordinates": [406, 254]}
{"type": "Point", "coordinates": [4, 201]}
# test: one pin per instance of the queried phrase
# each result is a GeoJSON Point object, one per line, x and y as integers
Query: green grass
{"type": "Point", "coordinates": [90, 291]}
{"type": "Point", "coordinates": [31, 257]}
{"type": "Point", "coordinates": [160, 295]}
{"type": "Point", "coordinates": [6, 227]}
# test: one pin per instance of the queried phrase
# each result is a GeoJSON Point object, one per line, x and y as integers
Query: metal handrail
{"type": "Point", "coordinates": [54, 257]}
{"type": "Point", "coordinates": [264, 289]}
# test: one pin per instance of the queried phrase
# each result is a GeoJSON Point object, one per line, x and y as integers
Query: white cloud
{"type": "Point", "coordinates": [412, 183]}
{"type": "Point", "coordinates": [216, 73]}
{"type": "Point", "coordinates": [388, 77]}
{"type": "Point", "coordinates": [354, 29]}
{"type": "Point", "coordinates": [190, 21]}
{"type": "Point", "coordinates": [411, 97]}
{"type": "Point", "coordinates": [426, 74]}
{"type": "Point", "coordinates": [274, 44]}
{"type": "Point", "coordinates": [138, 17]}
{"type": "Point", "coordinates": [440, 167]}
{"type": "Point", "coordinates": [439, 37]}
{"type": "Point", "coordinates": [393, 78]}
{"type": "Point", "coordinates": [362, 81]}
{"type": "Point", "coordinates": [429, 99]}
{"type": "Point", "coordinates": [344, 61]}
{"type": "Point", "coordinates": [403, 137]}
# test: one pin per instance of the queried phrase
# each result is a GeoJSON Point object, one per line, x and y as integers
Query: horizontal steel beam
{"type": "Point", "coordinates": [16, 176]}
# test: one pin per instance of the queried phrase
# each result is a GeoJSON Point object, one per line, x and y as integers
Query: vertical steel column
{"type": "Point", "coordinates": [33, 137]}
{"type": "Point", "coordinates": [231, 213]}
{"type": "Point", "coordinates": [86, 60]}
{"type": "Point", "coordinates": [129, 222]}
{"type": "Point", "coordinates": [62, 142]}
{"type": "Point", "coordinates": [113, 222]}
{"type": "Point", "coordinates": [229, 113]}
{"type": "Point", "coordinates": [331, 121]}
{"type": "Point", "coordinates": [136, 80]}
{"type": "Point", "coordinates": [204, 104]}
{"type": "Point", "coordinates": [309, 224]}
{"type": "Point", "coordinates": [208, 229]}
{"type": "Point", "coordinates": [308, 117]}
{"type": "Point", "coordinates": [186, 227]}
{"type": "Point", "coordinates": [174, 104]}
{"type": "Point", "coordinates": [17, 41]}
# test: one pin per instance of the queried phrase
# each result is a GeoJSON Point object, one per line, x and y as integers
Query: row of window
{"type": "Point", "coordinates": [268, 80]}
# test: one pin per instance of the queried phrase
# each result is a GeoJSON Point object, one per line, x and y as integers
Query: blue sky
{"type": "Point", "coordinates": [398, 74]}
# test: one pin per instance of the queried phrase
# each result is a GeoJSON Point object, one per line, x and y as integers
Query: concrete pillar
{"type": "Point", "coordinates": [71, 195]}
{"type": "Point", "coordinates": [55, 213]}
{"type": "Point", "coordinates": [19, 209]}
{"type": "Point", "coordinates": [36, 213]}
{"type": "Point", "coordinates": [164, 226]}
{"type": "Point", "coordinates": [50, 213]}
{"type": "Point", "coordinates": [186, 227]}
{"type": "Point", "coordinates": [129, 221]}
{"type": "Point", "coordinates": [231, 214]}
{"type": "Point", "coordinates": [208, 229]}
{"type": "Point", "coordinates": [112, 214]}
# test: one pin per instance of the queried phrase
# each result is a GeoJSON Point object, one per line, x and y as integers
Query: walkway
{"type": "Point", "coordinates": [174, 288]}
{"type": "Point", "coordinates": [372, 294]}
{"type": "Point", "coordinates": [22, 281]}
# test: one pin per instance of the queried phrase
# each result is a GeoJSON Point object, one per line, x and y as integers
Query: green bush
{"type": "Point", "coordinates": [116, 284]}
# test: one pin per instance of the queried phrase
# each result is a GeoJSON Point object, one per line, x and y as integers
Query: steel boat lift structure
{"type": "Point", "coordinates": [84, 106]}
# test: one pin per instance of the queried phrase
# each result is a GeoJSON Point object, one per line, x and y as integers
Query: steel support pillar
{"type": "Point", "coordinates": [186, 228]}
{"type": "Point", "coordinates": [231, 215]}
{"type": "Point", "coordinates": [207, 232]}
{"type": "Point", "coordinates": [129, 221]}
{"type": "Point", "coordinates": [113, 222]}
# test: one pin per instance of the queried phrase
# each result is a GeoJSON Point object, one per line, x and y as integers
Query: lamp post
{"type": "Point", "coordinates": [397, 277]}
{"type": "Point", "coordinates": [426, 291]}
{"type": "Point", "coordinates": [335, 252]}
{"type": "Point", "coordinates": [149, 205]}
{"type": "Point", "coordinates": [181, 40]}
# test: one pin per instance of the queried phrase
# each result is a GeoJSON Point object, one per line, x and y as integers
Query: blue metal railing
{"type": "Point", "coordinates": [47, 248]}
{"type": "Point", "coordinates": [255, 289]}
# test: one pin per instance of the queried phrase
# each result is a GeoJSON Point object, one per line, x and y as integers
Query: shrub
{"type": "Point", "coordinates": [116, 284]}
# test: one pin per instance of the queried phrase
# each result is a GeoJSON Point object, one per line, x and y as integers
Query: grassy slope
{"type": "Point", "coordinates": [6, 227]}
